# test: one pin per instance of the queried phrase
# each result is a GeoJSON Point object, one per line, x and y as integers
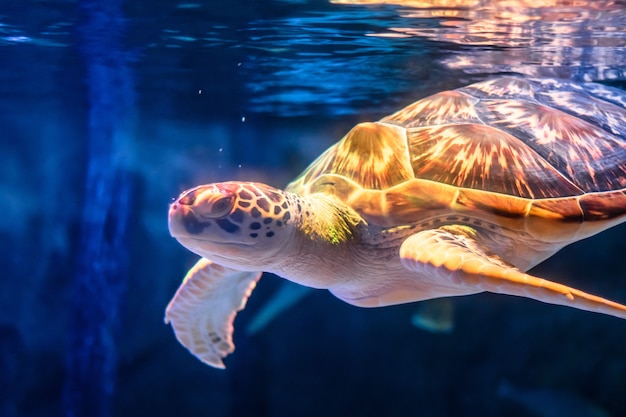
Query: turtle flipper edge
{"type": "Point", "coordinates": [203, 309]}
{"type": "Point", "coordinates": [454, 257]}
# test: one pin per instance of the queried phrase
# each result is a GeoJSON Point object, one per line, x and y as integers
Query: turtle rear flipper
{"type": "Point", "coordinates": [454, 257]}
{"type": "Point", "coordinates": [204, 308]}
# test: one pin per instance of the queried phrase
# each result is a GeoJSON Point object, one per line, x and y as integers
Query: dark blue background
{"type": "Point", "coordinates": [109, 109]}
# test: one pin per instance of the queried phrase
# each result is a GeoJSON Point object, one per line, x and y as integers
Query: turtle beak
{"type": "Point", "coordinates": [184, 222]}
{"type": "Point", "coordinates": [182, 219]}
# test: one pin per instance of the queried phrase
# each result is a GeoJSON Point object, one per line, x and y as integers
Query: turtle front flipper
{"type": "Point", "coordinates": [204, 308]}
{"type": "Point", "coordinates": [454, 257]}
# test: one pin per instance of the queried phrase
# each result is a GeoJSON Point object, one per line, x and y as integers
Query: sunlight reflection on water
{"type": "Point", "coordinates": [581, 40]}
{"type": "Point", "coordinates": [301, 58]}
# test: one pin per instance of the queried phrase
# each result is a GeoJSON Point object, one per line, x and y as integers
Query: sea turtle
{"type": "Point", "coordinates": [458, 193]}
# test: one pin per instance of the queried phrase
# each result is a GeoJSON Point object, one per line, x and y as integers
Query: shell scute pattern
{"type": "Point", "coordinates": [598, 110]}
{"type": "Point", "coordinates": [516, 138]}
{"type": "Point", "coordinates": [481, 157]}
{"type": "Point", "coordinates": [442, 108]}
{"type": "Point", "coordinates": [566, 210]}
{"type": "Point", "coordinates": [589, 157]}
{"type": "Point", "coordinates": [506, 88]}
{"type": "Point", "coordinates": [610, 206]}
{"type": "Point", "coordinates": [610, 94]}
{"type": "Point", "coordinates": [373, 155]}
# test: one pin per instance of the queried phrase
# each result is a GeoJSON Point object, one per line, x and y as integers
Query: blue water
{"type": "Point", "coordinates": [108, 112]}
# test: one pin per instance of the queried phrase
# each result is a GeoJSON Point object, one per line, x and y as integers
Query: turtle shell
{"type": "Point", "coordinates": [507, 148]}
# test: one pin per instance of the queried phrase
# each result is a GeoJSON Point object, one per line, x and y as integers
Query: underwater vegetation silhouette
{"type": "Point", "coordinates": [100, 283]}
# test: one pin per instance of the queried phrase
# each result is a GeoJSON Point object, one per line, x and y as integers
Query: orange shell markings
{"type": "Point", "coordinates": [509, 143]}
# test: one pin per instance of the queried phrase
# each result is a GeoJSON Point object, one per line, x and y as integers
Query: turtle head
{"type": "Point", "coordinates": [236, 224]}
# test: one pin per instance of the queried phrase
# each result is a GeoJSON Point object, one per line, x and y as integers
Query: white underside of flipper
{"type": "Point", "coordinates": [204, 308]}
{"type": "Point", "coordinates": [455, 256]}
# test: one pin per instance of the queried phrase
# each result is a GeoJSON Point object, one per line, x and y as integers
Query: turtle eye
{"type": "Point", "coordinates": [222, 206]}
